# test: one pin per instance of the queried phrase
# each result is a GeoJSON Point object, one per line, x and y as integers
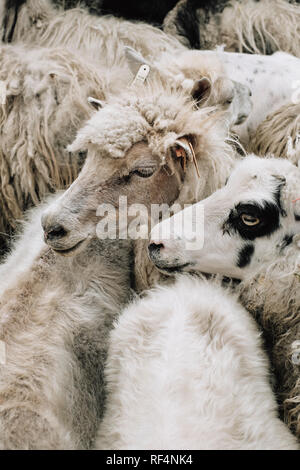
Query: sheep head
{"type": "Point", "coordinates": [133, 152]}
{"type": "Point", "coordinates": [248, 224]}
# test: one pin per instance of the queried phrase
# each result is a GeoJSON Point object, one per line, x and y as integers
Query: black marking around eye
{"type": "Point", "coordinates": [267, 212]}
{"type": "Point", "coordinates": [297, 217]}
{"type": "Point", "coordinates": [245, 255]}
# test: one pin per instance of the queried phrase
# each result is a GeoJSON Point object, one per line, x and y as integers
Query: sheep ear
{"type": "Point", "coordinates": [281, 179]}
{"type": "Point", "coordinates": [185, 151]}
{"type": "Point", "coordinates": [201, 90]}
{"type": "Point", "coordinates": [97, 104]}
{"type": "Point", "coordinates": [135, 60]}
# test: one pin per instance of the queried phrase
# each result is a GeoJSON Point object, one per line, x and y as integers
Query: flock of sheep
{"type": "Point", "coordinates": [145, 343]}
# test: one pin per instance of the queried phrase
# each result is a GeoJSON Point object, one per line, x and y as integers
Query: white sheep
{"type": "Point", "coordinates": [186, 370]}
{"type": "Point", "coordinates": [273, 81]}
{"type": "Point", "coordinates": [250, 232]}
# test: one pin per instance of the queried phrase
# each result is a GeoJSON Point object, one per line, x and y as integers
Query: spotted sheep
{"type": "Point", "coordinates": [251, 233]}
{"type": "Point", "coordinates": [271, 80]}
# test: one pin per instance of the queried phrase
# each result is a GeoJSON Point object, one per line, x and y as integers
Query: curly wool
{"type": "Point", "coordinates": [87, 34]}
{"type": "Point", "coordinates": [102, 40]}
{"type": "Point", "coordinates": [159, 115]}
{"type": "Point", "coordinates": [279, 134]}
{"type": "Point", "coordinates": [261, 27]}
{"type": "Point", "coordinates": [216, 158]}
{"type": "Point", "coordinates": [43, 103]}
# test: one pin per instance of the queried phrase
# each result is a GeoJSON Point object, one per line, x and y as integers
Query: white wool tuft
{"type": "Point", "coordinates": [186, 370]}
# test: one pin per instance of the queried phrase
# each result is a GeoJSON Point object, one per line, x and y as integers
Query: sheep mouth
{"type": "Point", "coordinates": [241, 119]}
{"type": "Point", "coordinates": [172, 269]}
{"type": "Point", "coordinates": [70, 251]}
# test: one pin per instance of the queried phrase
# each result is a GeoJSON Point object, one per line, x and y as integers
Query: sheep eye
{"type": "Point", "coordinates": [250, 220]}
{"type": "Point", "coordinates": [144, 172]}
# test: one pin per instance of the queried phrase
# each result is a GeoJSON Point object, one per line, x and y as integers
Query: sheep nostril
{"type": "Point", "coordinates": [55, 232]}
{"type": "Point", "coordinates": [154, 248]}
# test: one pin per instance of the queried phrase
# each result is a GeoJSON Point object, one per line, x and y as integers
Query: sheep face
{"type": "Point", "coordinates": [226, 94]}
{"type": "Point", "coordinates": [232, 97]}
{"type": "Point", "coordinates": [229, 96]}
{"type": "Point", "coordinates": [242, 104]}
{"type": "Point", "coordinates": [248, 223]}
{"type": "Point", "coordinates": [132, 148]}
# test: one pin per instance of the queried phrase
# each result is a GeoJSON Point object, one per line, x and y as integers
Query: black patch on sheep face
{"type": "Point", "coordinates": [267, 212]}
{"type": "Point", "coordinates": [297, 217]}
{"type": "Point", "coordinates": [245, 255]}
